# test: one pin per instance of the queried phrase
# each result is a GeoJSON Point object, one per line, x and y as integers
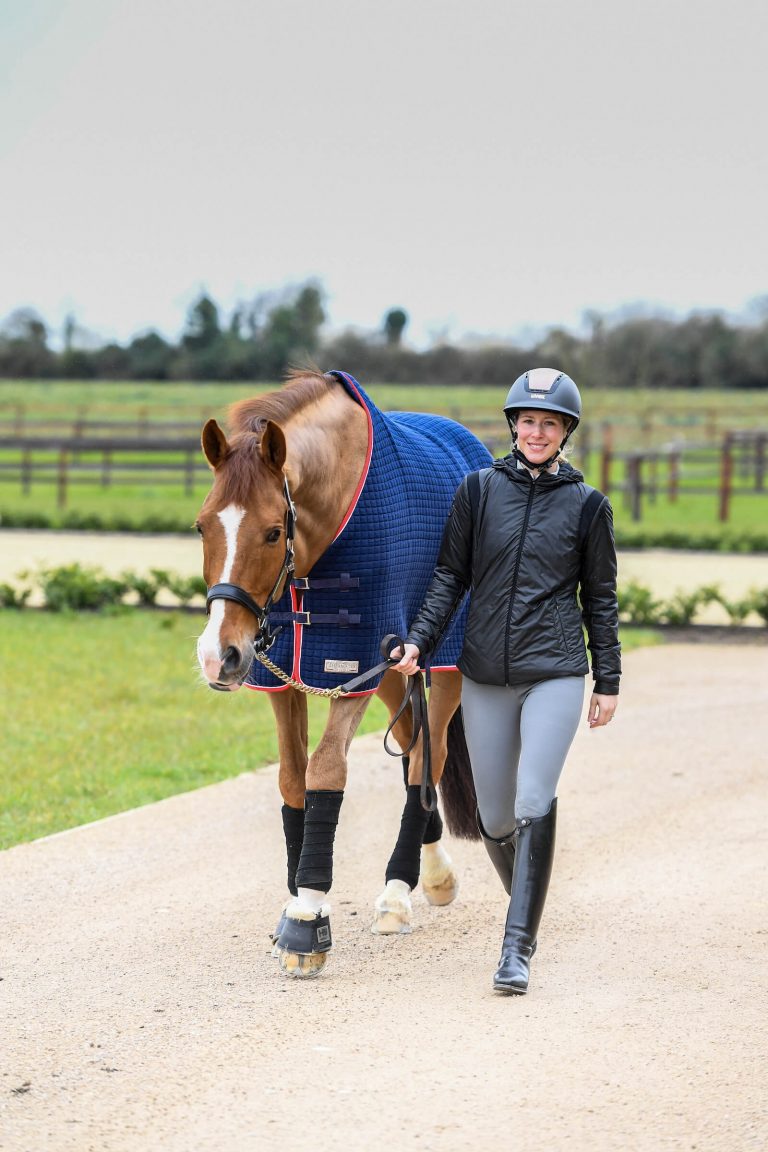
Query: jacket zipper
{"type": "Point", "coordinates": [515, 574]}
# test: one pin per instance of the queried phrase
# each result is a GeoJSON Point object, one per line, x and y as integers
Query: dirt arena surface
{"type": "Point", "coordinates": [142, 1010]}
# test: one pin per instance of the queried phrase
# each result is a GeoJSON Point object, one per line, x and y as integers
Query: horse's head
{"type": "Point", "coordinates": [246, 524]}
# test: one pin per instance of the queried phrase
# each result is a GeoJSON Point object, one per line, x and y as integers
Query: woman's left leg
{"type": "Point", "coordinates": [549, 719]}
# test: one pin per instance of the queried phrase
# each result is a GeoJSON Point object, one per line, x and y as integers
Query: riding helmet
{"type": "Point", "coordinates": [545, 388]}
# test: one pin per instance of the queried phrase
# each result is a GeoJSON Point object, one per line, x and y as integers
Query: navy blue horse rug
{"type": "Point", "coordinates": [372, 578]}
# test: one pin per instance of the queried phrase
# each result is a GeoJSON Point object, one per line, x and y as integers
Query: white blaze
{"type": "Point", "coordinates": [209, 644]}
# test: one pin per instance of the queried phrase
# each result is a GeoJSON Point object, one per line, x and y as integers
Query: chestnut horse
{"type": "Point", "coordinates": [285, 487]}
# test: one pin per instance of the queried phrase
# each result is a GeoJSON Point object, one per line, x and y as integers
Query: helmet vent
{"type": "Point", "coordinates": [542, 380]}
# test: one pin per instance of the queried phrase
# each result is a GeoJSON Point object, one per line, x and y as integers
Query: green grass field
{"type": "Point", "coordinates": [104, 713]}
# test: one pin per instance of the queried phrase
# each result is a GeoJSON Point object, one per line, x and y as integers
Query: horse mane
{"type": "Point", "coordinates": [300, 389]}
{"type": "Point", "coordinates": [247, 419]}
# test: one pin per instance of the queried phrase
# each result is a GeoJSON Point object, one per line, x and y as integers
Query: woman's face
{"type": "Point", "coordinates": [539, 434]}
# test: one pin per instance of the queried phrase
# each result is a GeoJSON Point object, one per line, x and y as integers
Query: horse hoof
{"type": "Point", "coordinates": [300, 967]}
{"type": "Point", "coordinates": [439, 882]}
{"type": "Point", "coordinates": [440, 894]}
{"type": "Point", "coordinates": [390, 924]}
{"type": "Point", "coordinates": [392, 910]}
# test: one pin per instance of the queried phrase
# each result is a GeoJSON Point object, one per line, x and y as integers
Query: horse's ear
{"type": "Point", "coordinates": [214, 443]}
{"type": "Point", "coordinates": [273, 450]}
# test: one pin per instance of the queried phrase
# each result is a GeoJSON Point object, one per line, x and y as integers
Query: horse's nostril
{"type": "Point", "coordinates": [230, 661]}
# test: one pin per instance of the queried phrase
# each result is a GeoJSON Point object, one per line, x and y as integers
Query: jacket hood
{"type": "Point", "coordinates": [566, 475]}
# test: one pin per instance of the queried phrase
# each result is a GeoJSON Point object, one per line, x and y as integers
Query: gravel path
{"type": "Point", "coordinates": [142, 1010]}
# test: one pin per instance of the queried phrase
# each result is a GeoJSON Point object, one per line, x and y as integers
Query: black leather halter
{"type": "Point", "coordinates": [264, 638]}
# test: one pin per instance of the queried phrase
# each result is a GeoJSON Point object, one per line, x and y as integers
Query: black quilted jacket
{"type": "Point", "coordinates": [537, 572]}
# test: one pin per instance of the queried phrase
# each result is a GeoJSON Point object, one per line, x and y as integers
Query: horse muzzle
{"type": "Point", "coordinates": [228, 673]}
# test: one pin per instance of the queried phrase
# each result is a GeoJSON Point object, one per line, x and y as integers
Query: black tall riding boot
{"type": "Point", "coordinates": [501, 853]}
{"type": "Point", "coordinates": [534, 852]}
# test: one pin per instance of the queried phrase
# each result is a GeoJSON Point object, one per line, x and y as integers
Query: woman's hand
{"type": "Point", "coordinates": [409, 663]}
{"type": "Point", "coordinates": [601, 709]}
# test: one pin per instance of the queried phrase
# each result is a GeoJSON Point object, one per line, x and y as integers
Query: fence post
{"type": "Point", "coordinates": [189, 474]}
{"type": "Point", "coordinates": [606, 459]}
{"type": "Point", "coordinates": [634, 484]}
{"type": "Point", "coordinates": [760, 461]}
{"type": "Point", "coordinates": [26, 471]}
{"type": "Point", "coordinates": [584, 441]}
{"type": "Point", "coordinates": [653, 480]}
{"type": "Point", "coordinates": [726, 477]}
{"type": "Point", "coordinates": [673, 478]}
{"type": "Point", "coordinates": [61, 480]}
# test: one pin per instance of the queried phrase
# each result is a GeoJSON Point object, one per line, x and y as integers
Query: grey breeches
{"type": "Point", "coordinates": [518, 739]}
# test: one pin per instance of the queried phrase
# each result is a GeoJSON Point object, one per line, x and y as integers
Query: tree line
{"type": "Point", "coordinates": [263, 338]}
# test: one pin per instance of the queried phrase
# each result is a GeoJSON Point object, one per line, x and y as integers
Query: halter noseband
{"type": "Point", "coordinates": [264, 638]}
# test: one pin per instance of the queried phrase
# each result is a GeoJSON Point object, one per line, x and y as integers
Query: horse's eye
{"type": "Point", "coordinates": [273, 536]}
{"type": "Point", "coordinates": [199, 528]}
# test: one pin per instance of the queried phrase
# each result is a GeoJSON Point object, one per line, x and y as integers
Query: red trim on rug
{"type": "Point", "coordinates": [363, 474]}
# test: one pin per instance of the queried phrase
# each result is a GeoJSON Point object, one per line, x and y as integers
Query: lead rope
{"type": "Point", "coordinates": [415, 694]}
{"type": "Point", "coordinates": [329, 693]}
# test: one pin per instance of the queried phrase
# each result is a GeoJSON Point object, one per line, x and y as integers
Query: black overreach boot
{"type": "Point", "coordinates": [534, 852]}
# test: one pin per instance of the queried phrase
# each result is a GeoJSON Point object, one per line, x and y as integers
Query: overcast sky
{"type": "Point", "coordinates": [491, 167]}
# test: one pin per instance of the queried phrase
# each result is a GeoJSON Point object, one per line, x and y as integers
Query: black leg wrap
{"type": "Point", "coordinates": [405, 861]}
{"type": "Point", "coordinates": [534, 853]}
{"type": "Point", "coordinates": [434, 829]}
{"type": "Point", "coordinates": [293, 827]}
{"type": "Point", "coordinates": [321, 815]}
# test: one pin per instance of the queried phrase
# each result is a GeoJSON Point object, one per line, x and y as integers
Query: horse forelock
{"type": "Point", "coordinates": [243, 472]}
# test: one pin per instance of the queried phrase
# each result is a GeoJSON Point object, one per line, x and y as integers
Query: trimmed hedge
{"type": "Point", "coordinates": [637, 605]}
{"type": "Point", "coordinates": [77, 588]}
{"type": "Point", "coordinates": [634, 536]}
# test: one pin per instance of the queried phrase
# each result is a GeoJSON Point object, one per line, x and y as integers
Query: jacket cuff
{"type": "Point", "coordinates": [421, 643]}
{"type": "Point", "coordinates": [606, 687]}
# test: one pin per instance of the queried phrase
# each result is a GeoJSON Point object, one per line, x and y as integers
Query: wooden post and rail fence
{"type": "Point", "coordinates": [102, 453]}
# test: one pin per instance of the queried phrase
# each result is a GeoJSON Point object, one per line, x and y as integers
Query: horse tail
{"type": "Point", "coordinates": [457, 787]}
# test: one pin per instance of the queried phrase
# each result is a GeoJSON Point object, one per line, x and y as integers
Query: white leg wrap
{"type": "Point", "coordinates": [308, 904]}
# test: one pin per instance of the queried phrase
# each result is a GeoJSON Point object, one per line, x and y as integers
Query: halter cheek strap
{"type": "Point", "coordinates": [225, 591]}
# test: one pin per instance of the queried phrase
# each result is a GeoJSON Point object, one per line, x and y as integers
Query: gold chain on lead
{"type": "Point", "coordinates": [330, 693]}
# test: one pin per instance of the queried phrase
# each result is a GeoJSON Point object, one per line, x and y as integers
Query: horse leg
{"type": "Point", "coordinates": [418, 850]}
{"type": "Point", "coordinates": [305, 939]}
{"type": "Point", "coordinates": [439, 881]}
{"type": "Point", "coordinates": [290, 709]}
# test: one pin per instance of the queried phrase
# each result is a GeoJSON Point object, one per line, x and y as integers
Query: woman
{"type": "Point", "coordinates": [527, 535]}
